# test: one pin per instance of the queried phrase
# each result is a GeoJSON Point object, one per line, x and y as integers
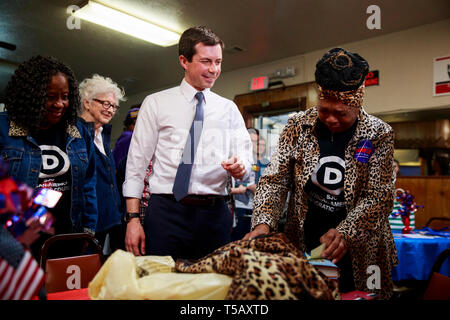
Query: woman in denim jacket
{"type": "Point", "coordinates": [44, 143]}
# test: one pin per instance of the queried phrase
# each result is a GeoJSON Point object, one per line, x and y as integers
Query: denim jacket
{"type": "Point", "coordinates": [24, 159]}
{"type": "Point", "coordinates": [109, 202]}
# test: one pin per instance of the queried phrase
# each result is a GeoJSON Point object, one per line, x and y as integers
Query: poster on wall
{"type": "Point", "coordinates": [441, 76]}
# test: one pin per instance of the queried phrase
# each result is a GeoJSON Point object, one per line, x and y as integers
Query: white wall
{"type": "Point", "coordinates": [404, 60]}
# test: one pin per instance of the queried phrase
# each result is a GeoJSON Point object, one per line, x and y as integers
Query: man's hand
{"type": "Point", "coordinates": [335, 247]}
{"type": "Point", "coordinates": [239, 190]}
{"type": "Point", "coordinates": [259, 230]}
{"type": "Point", "coordinates": [135, 237]}
{"type": "Point", "coordinates": [252, 188]}
{"type": "Point", "coordinates": [234, 167]}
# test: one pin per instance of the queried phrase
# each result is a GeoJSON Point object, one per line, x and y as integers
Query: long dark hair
{"type": "Point", "coordinates": [26, 92]}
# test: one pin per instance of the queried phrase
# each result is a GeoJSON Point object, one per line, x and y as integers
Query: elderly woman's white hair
{"type": "Point", "coordinates": [91, 87]}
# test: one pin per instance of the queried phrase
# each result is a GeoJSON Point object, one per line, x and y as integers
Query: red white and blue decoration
{"type": "Point", "coordinates": [21, 278]}
{"type": "Point", "coordinates": [404, 208]}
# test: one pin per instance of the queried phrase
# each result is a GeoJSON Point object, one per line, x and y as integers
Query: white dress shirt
{"type": "Point", "coordinates": [161, 131]}
{"type": "Point", "coordinates": [98, 140]}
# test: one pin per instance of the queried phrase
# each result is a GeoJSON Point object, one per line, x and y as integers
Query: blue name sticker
{"type": "Point", "coordinates": [363, 151]}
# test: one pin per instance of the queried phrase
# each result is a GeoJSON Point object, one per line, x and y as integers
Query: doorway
{"type": "Point", "coordinates": [270, 125]}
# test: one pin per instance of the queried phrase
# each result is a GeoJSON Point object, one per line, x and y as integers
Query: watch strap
{"type": "Point", "coordinates": [131, 215]}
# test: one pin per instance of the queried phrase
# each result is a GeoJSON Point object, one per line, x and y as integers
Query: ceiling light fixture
{"type": "Point", "coordinates": [125, 23]}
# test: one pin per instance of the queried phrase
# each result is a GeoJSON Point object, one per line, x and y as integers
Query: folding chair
{"type": "Point", "coordinates": [438, 223]}
{"type": "Point", "coordinates": [438, 285]}
{"type": "Point", "coordinates": [75, 272]}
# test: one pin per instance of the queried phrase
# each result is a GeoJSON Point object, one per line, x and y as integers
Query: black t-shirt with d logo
{"type": "Point", "coordinates": [325, 187]}
{"type": "Point", "coordinates": [55, 173]}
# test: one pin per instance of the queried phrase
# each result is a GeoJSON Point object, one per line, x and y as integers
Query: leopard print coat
{"type": "Point", "coordinates": [368, 192]}
{"type": "Point", "coordinates": [268, 267]}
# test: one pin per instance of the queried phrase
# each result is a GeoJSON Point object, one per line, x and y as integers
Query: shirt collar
{"type": "Point", "coordinates": [189, 91]}
{"type": "Point", "coordinates": [100, 130]}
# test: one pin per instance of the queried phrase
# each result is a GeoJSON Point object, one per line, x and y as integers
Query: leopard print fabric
{"type": "Point", "coordinates": [265, 268]}
{"type": "Point", "coordinates": [16, 130]}
{"type": "Point", "coordinates": [352, 98]}
{"type": "Point", "coordinates": [368, 192]}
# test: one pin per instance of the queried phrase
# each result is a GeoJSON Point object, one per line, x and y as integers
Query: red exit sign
{"type": "Point", "coordinates": [372, 79]}
{"type": "Point", "coordinates": [259, 83]}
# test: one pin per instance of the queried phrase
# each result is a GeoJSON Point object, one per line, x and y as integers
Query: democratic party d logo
{"type": "Point", "coordinates": [329, 174]}
{"type": "Point", "coordinates": [55, 162]}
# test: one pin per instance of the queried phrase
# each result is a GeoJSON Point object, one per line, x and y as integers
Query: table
{"type": "Point", "coordinates": [417, 254]}
{"type": "Point", "coordinates": [82, 294]}
{"type": "Point", "coordinates": [76, 294]}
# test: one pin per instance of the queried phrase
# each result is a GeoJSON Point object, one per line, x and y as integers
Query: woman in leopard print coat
{"type": "Point", "coordinates": [368, 190]}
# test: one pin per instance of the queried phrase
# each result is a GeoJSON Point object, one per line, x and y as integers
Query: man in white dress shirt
{"type": "Point", "coordinates": [192, 223]}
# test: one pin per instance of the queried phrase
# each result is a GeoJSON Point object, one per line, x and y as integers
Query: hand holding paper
{"type": "Point", "coordinates": [325, 266]}
{"type": "Point", "coordinates": [335, 247]}
{"type": "Point", "coordinates": [316, 253]}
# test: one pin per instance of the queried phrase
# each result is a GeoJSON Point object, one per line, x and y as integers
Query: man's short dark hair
{"type": "Point", "coordinates": [194, 35]}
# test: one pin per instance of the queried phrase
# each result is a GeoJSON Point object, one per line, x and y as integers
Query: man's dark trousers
{"type": "Point", "coordinates": [185, 231]}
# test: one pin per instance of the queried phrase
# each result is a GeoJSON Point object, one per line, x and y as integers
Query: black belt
{"type": "Point", "coordinates": [197, 200]}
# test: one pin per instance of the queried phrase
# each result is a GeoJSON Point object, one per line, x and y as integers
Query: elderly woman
{"type": "Point", "coordinates": [337, 162]}
{"type": "Point", "coordinates": [100, 99]}
{"type": "Point", "coordinates": [44, 143]}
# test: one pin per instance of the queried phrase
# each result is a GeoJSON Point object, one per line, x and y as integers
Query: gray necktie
{"type": "Point", "coordinates": [183, 176]}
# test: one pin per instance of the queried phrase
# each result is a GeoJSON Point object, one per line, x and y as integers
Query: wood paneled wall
{"type": "Point", "coordinates": [432, 192]}
{"type": "Point", "coordinates": [422, 134]}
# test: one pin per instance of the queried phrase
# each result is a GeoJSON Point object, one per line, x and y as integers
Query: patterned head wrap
{"type": "Point", "coordinates": [340, 75]}
{"type": "Point", "coordinates": [353, 98]}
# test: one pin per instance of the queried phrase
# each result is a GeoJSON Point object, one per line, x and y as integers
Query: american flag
{"type": "Point", "coordinates": [21, 278]}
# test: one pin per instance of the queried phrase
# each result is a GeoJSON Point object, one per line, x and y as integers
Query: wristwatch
{"type": "Point", "coordinates": [131, 215]}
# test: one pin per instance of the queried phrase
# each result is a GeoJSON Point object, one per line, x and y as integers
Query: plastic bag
{"type": "Point", "coordinates": [126, 277]}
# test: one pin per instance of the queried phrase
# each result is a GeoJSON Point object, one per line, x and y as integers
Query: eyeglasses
{"type": "Point", "coordinates": [106, 104]}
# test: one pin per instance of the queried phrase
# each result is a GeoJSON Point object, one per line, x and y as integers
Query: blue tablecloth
{"type": "Point", "coordinates": [417, 257]}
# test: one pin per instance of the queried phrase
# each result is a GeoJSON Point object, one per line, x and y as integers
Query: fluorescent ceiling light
{"type": "Point", "coordinates": [122, 22]}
